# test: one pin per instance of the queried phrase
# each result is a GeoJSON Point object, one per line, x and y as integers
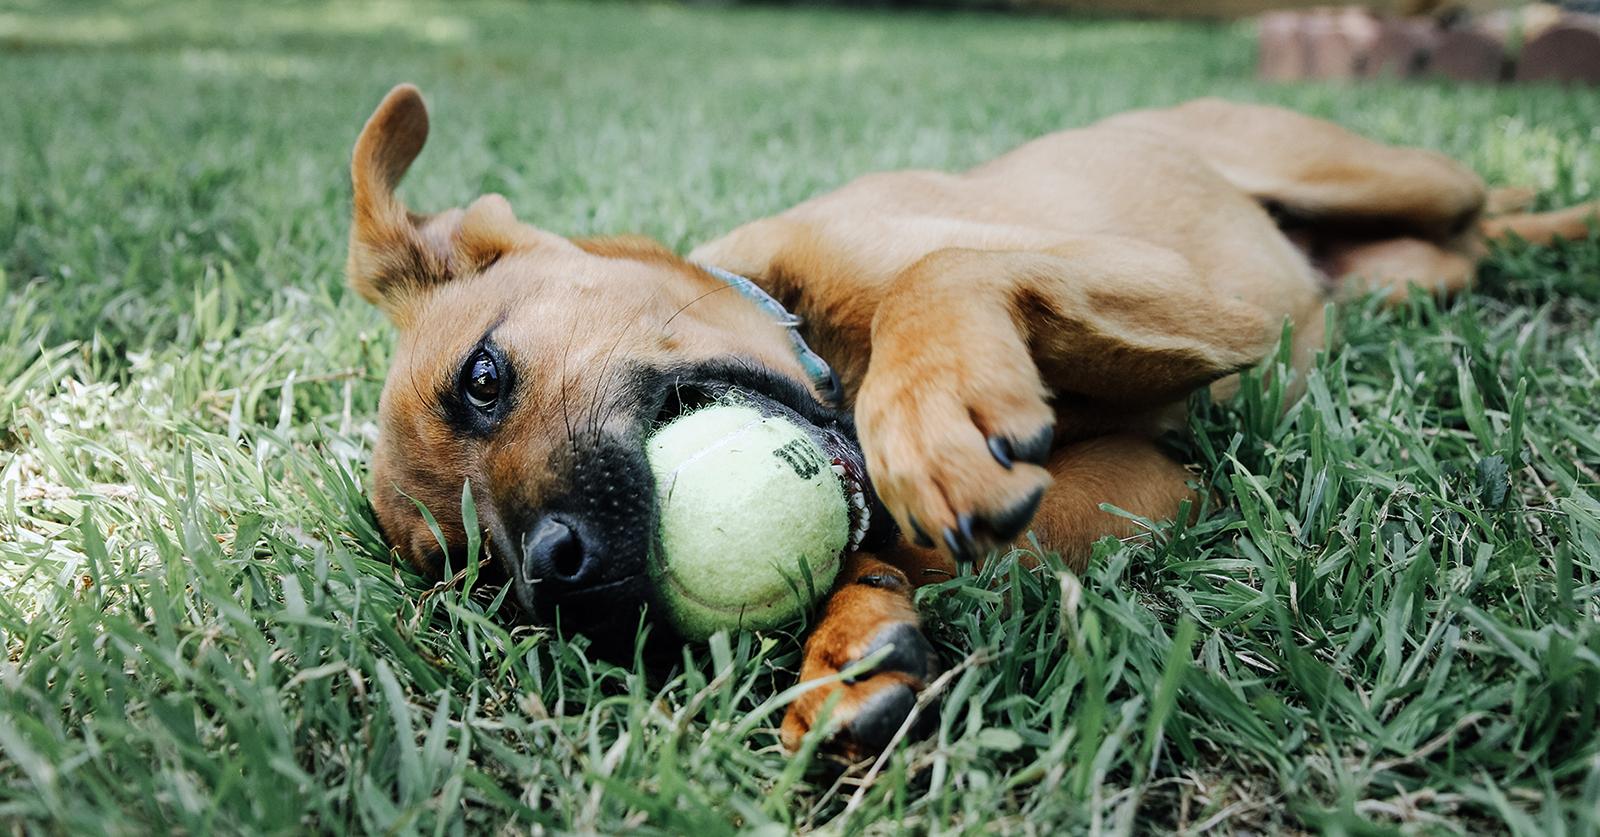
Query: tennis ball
{"type": "Point", "coordinates": [748, 507]}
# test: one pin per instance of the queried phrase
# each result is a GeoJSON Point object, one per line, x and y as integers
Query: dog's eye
{"type": "Point", "coordinates": [483, 381]}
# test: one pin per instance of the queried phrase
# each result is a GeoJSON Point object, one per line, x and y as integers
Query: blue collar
{"type": "Point", "coordinates": [822, 375]}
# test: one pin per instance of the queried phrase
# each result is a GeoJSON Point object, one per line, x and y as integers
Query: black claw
{"type": "Point", "coordinates": [886, 581]}
{"type": "Point", "coordinates": [964, 523]}
{"type": "Point", "coordinates": [1000, 447]}
{"type": "Point", "coordinates": [1037, 448]}
{"type": "Point", "coordinates": [911, 653]}
{"type": "Point", "coordinates": [919, 537]}
{"type": "Point", "coordinates": [961, 551]}
{"type": "Point", "coordinates": [1010, 522]}
{"type": "Point", "coordinates": [880, 717]}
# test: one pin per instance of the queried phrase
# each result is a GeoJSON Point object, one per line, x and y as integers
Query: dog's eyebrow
{"type": "Point", "coordinates": [499, 320]}
{"type": "Point", "coordinates": [485, 338]}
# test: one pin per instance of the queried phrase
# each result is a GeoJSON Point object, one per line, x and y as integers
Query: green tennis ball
{"type": "Point", "coordinates": [749, 507]}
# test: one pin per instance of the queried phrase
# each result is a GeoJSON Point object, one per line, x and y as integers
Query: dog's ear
{"type": "Point", "coordinates": [396, 253]}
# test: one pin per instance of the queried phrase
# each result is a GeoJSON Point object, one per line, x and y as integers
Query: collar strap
{"type": "Point", "coordinates": [822, 375]}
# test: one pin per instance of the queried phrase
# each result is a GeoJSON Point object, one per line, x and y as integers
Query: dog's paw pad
{"type": "Point", "coordinates": [879, 717]}
{"type": "Point", "coordinates": [909, 653]}
{"type": "Point", "coordinates": [872, 705]}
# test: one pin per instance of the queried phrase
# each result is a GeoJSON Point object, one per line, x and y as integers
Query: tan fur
{"type": "Point", "coordinates": [1543, 228]}
{"type": "Point", "coordinates": [569, 310]}
{"type": "Point", "coordinates": [1075, 290]}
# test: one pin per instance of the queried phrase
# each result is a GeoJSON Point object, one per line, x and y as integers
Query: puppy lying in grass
{"type": "Point", "coordinates": [1002, 346]}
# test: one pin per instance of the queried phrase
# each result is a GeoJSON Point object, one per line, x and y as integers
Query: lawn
{"type": "Point", "coordinates": [1385, 619]}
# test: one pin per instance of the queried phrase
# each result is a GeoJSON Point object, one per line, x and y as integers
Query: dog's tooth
{"type": "Point", "coordinates": [838, 468]}
{"type": "Point", "coordinates": [859, 517]}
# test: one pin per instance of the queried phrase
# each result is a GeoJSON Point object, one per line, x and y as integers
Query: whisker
{"type": "Point", "coordinates": [692, 302]}
{"type": "Point", "coordinates": [601, 402]}
{"type": "Point", "coordinates": [603, 387]}
{"type": "Point", "coordinates": [566, 414]}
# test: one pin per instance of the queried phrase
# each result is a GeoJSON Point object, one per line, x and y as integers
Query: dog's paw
{"type": "Point", "coordinates": [955, 446]}
{"type": "Point", "coordinates": [869, 618]}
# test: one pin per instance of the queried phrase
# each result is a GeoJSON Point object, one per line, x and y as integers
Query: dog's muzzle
{"type": "Point", "coordinates": [580, 561]}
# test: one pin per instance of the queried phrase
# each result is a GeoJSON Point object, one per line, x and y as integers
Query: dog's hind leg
{"type": "Point", "coordinates": [1397, 264]}
{"type": "Point", "coordinates": [1572, 223]}
{"type": "Point", "coordinates": [1377, 215]}
{"type": "Point", "coordinates": [1310, 171]}
{"type": "Point", "coordinates": [1126, 471]}
{"type": "Point", "coordinates": [977, 354]}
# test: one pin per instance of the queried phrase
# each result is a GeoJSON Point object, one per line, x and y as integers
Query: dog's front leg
{"type": "Point", "coordinates": [869, 610]}
{"type": "Point", "coordinates": [977, 353]}
{"type": "Point", "coordinates": [969, 347]}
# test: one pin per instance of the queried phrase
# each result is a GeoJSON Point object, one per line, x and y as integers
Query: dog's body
{"type": "Point", "coordinates": [1010, 341]}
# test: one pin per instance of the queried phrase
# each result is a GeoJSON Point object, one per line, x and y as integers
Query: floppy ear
{"type": "Point", "coordinates": [394, 253]}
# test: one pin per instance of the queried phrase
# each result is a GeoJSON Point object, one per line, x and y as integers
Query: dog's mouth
{"type": "Point", "coordinates": [609, 508]}
{"type": "Point", "coordinates": [773, 395]}
{"type": "Point", "coordinates": [848, 467]}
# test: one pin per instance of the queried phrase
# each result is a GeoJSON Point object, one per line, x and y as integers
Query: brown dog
{"type": "Point", "coordinates": [1009, 341]}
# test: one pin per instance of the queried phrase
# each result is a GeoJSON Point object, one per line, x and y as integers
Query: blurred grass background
{"type": "Point", "coordinates": [1386, 621]}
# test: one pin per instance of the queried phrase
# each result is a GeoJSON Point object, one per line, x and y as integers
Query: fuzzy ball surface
{"type": "Point", "coordinates": [753, 519]}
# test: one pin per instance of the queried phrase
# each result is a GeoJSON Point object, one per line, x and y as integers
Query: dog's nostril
{"type": "Point", "coordinates": [568, 559]}
{"type": "Point", "coordinates": [553, 551]}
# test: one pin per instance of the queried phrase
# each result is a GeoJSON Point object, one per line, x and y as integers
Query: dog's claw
{"type": "Point", "coordinates": [962, 550]}
{"type": "Point", "coordinates": [1037, 448]}
{"type": "Point", "coordinates": [880, 717]}
{"type": "Point", "coordinates": [964, 523]}
{"type": "Point", "coordinates": [919, 537]}
{"type": "Point", "coordinates": [973, 533]}
{"type": "Point", "coordinates": [1011, 522]}
{"type": "Point", "coordinates": [884, 581]}
{"type": "Point", "coordinates": [1000, 447]}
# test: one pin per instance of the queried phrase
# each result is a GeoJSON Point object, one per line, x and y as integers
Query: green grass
{"type": "Point", "coordinates": [1386, 618]}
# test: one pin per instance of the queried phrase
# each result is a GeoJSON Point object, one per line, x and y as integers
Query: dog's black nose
{"type": "Point", "coordinates": [578, 558]}
{"type": "Point", "coordinates": [554, 551]}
